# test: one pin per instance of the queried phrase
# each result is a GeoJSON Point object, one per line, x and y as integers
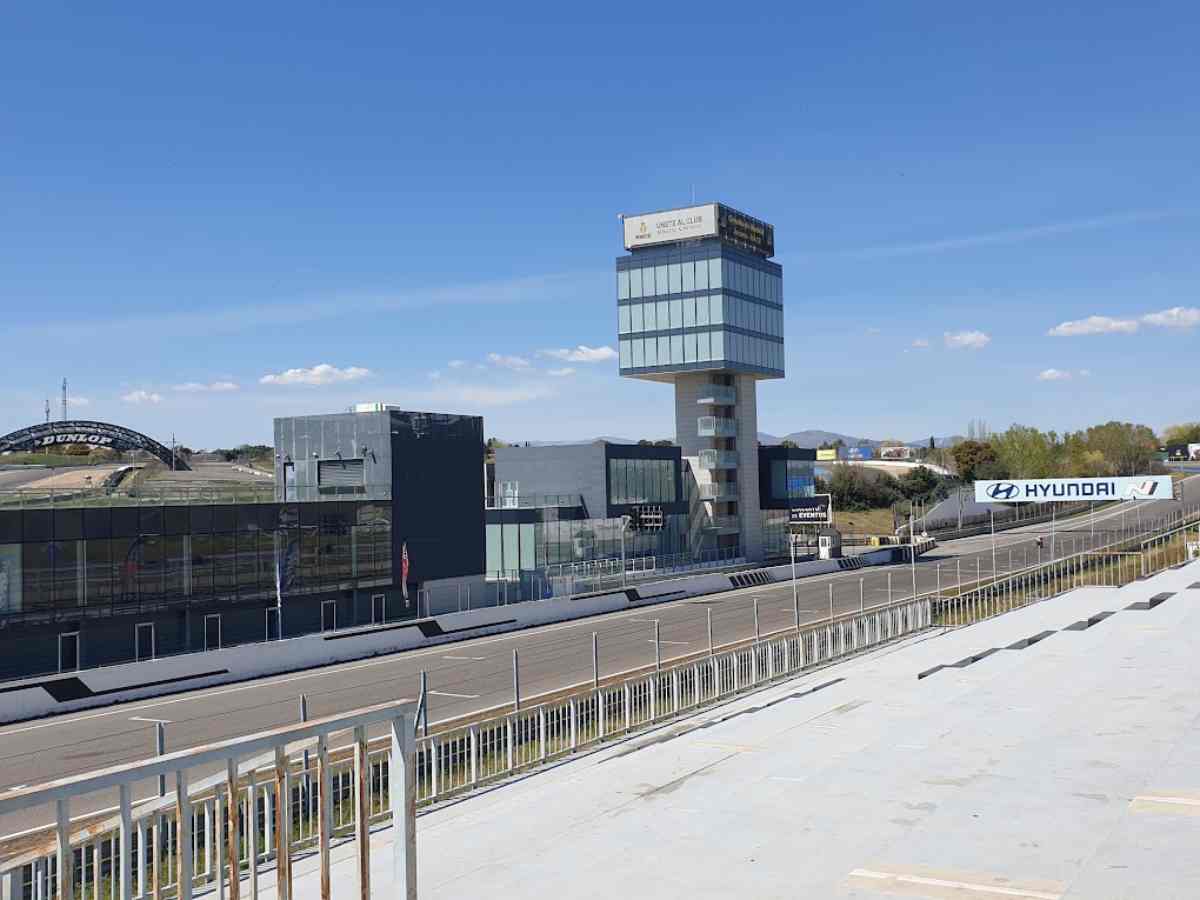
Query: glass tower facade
{"type": "Point", "coordinates": [700, 305]}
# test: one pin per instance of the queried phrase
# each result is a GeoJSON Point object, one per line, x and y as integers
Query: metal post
{"type": "Point", "coordinates": [912, 540]}
{"type": "Point", "coordinates": [160, 747]}
{"type": "Point", "coordinates": [757, 634]}
{"type": "Point", "coordinates": [183, 833]}
{"type": "Point", "coordinates": [516, 683]}
{"type": "Point", "coordinates": [831, 600]}
{"type": "Point", "coordinates": [710, 636]}
{"type": "Point", "coordinates": [402, 778]}
{"type": "Point", "coordinates": [889, 588]}
{"type": "Point", "coordinates": [235, 836]}
{"type": "Point", "coordinates": [861, 595]}
{"type": "Point", "coordinates": [423, 703]}
{"type": "Point", "coordinates": [939, 581]}
{"type": "Point", "coordinates": [65, 855]}
{"type": "Point", "coordinates": [595, 662]}
{"type": "Point", "coordinates": [796, 612]}
{"type": "Point", "coordinates": [657, 647]}
{"type": "Point", "coordinates": [126, 873]}
{"type": "Point", "coordinates": [992, 514]}
{"type": "Point", "coordinates": [795, 587]}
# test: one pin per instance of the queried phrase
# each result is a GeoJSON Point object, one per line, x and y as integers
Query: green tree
{"type": "Point", "coordinates": [786, 443]}
{"type": "Point", "coordinates": [918, 484]}
{"type": "Point", "coordinates": [1187, 433]}
{"type": "Point", "coordinates": [1025, 452]}
{"type": "Point", "coordinates": [1128, 448]}
{"type": "Point", "coordinates": [975, 460]}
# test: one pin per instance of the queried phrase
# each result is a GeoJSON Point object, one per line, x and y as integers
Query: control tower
{"type": "Point", "coordinates": [700, 304]}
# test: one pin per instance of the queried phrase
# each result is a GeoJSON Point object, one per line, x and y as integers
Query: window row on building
{"type": "Point", "coordinates": [706, 309]}
{"type": "Point", "coordinates": [530, 546]}
{"type": "Point", "coordinates": [699, 275]}
{"type": "Point", "coordinates": [716, 346]}
{"type": "Point", "coordinates": [641, 481]}
{"type": "Point", "coordinates": [61, 574]}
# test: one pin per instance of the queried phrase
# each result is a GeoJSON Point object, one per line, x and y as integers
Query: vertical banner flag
{"type": "Point", "coordinates": [404, 569]}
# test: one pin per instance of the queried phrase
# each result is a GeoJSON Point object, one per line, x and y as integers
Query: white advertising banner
{"type": "Point", "coordinates": [1194, 451]}
{"type": "Point", "coordinates": [671, 225]}
{"type": "Point", "coordinates": [1048, 490]}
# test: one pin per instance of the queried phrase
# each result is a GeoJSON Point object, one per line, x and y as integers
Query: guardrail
{"type": "Point", "coordinates": [216, 832]}
{"type": "Point", "coordinates": [1114, 564]}
{"type": "Point", "coordinates": [353, 785]}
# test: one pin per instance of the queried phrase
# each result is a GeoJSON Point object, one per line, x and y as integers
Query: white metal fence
{"type": "Point", "coordinates": [270, 802]}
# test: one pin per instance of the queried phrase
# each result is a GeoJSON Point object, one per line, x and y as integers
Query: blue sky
{"type": "Point", "coordinates": [199, 207]}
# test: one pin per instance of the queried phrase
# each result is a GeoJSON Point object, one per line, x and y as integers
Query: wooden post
{"type": "Point", "coordinates": [283, 823]}
{"type": "Point", "coordinates": [324, 812]}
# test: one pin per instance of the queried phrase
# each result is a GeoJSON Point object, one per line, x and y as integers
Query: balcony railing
{"type": "Point", "coordinates": [718, 459]}
{"type": "Point", "coordinates": [719, 491]}
{"type": "Point", "coordinates": [725, 524]}
{"type": "Point", "coordinates": [713, 426]}
{"type": "Point", "coordinates": [532, 501]}
{"type": "Point", "coordinates": [717, 395]}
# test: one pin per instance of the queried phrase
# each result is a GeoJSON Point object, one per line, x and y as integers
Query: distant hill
{"type": "Point", "coordinates": [815, 437]}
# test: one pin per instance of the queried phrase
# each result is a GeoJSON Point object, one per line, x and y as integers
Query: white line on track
{"type": "Point", "coordinates": [994, 890]}
{"type": "Point", "coordinates": [456, 696]}
{"type": "Point", "coordinates": [467, 658]}
{"type": "Point", "coordinates": [151, 721]}
{"type": "Point", "coordinates": [682, 643]}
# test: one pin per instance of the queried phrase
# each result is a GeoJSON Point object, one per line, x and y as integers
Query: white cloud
{"type": "Point", "coordinates": [1175, 317]}
{"type": "Point", "coordinates": [921, 343]}
{"type": "Point", "coordinates": [434, 375]}
{"type": "Point", "coordinates": [967, 340]}
{"type": "Point", "coordinates": [508, 362]}
{"type": "Point", "coordinates": [216, 387]}
{"type": "Point", "coordinates": [318, 375]}
{"type": "Point", "coordinates": [1053, 375]}
{"type": "Point", "coordinates": [140, 397]}
{"type": "Point", "coordinates": [456, 363]}
{"type": "Point", "coordinates": [581, 354]}
{"type": "Point", "coordinates": [561, 373]}
{"type": "Point", "coordinates": [1094, 325]}
{"type": "Point", "coordinates": [78, 401]}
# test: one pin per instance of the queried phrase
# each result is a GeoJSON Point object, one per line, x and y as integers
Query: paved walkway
{"type": "Point", "coordinates": [1069, 768]}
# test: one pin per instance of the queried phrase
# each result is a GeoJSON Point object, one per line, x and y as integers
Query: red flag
{"type": "Point", "coordinates": [404, 569]}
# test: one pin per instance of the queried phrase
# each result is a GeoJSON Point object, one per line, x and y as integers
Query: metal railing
{"type": "Point", "coordinates": [269, 802]}
{"type": "Point", "coordinates": [718, 490]}
{"type": "Point", "coordinates": [532, 501]}
{"type": "Point", "coordinates": [1116, 563]}
{"type": "Point", "coordinates": [459, 759]}
{"type": "Point", "coordinates": [718, 459]}
{"type": "Point", "coordinates": [717, 395]}
{"type": "Point", "coordinates": [715, 426]}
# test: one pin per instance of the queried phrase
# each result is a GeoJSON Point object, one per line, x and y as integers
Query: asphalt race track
{"type": "Point", "coordinates": [476, 674]}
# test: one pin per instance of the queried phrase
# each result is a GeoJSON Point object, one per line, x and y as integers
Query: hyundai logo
{"type": "Point", "coordinates": [1004, 490]}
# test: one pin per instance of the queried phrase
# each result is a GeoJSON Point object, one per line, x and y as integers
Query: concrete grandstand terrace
{"type": "Point", "coordinates": [475, 675]}
{"type": "Point", "coordinates": [1067, 769]}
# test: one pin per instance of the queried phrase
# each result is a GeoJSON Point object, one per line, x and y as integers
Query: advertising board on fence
{"type": "Point", "coordinates": [826, 454]}
{"type": "Point", "coordinates": [815, 510]}
{"type": "Point", "coordinates": [1048, 490]}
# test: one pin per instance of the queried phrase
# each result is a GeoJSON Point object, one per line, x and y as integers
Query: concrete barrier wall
{"type": "Point", "coordinates": [153, 678]}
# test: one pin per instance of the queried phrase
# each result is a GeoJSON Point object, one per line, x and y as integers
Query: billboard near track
{"type": "Point", "coordinates": [1049, 490]}
{"type": "Point", "coordinates": [815, 510]}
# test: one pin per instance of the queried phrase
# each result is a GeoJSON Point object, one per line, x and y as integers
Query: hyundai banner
{"type": "Point", "coordinates": [1049, 490]}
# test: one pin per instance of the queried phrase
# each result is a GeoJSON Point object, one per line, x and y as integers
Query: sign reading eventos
{"type": "Point", "coordinates": [671, 225]}
{"type": "Point", "coordinates": [815, 510]}
{"type": "Point", "coordinates": [1047, 490]}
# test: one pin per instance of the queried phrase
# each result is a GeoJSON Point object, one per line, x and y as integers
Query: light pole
{"type": "Point", "coordinates": [992, 513]}
{"type": "Point", "coordinates": [795, 588]}
{"type": "Point", "coordinates": [625, 520]}
{"type": "Point", "coordinates": [912, 546]}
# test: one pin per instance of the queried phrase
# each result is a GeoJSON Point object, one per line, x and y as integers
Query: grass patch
{"type": "Point", "coordinates": [867, 521]}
